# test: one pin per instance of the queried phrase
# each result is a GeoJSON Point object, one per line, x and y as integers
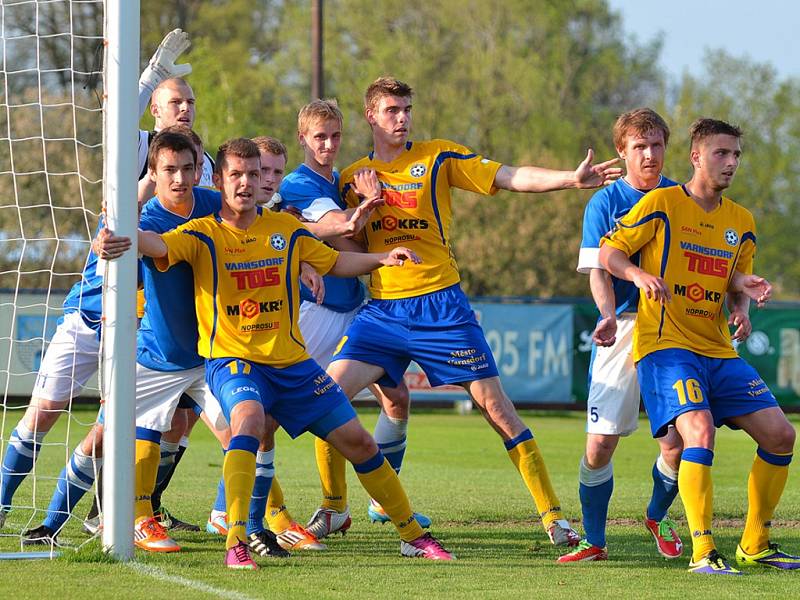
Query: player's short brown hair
{"type": "Point", "coordinates": [704, 128]}
{"type": "Point", "coordinates": [169, 140]}
{"type": "Point", "coordinates": [238, 147]}
{"type": "Point", "coordinates": [184, 130]}
{"type": "Point", "coordinates": [318, 110]}
{"type": "Point", "coordinates": [385, 86]}
{"type": "Point", "coordinates": [269, 144]}
{"type": "Point", "coordinates": [639, 121]}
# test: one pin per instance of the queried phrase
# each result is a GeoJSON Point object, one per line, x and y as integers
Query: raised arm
{"type": "Point", "coordinates": [162, 65]}
{"type": "Point", "coordinates": [538, 179]}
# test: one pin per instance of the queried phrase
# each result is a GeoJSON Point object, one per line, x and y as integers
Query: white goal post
{"type": "Point", "coordinates": [68, 93]}
{"type": "Point", "coordinates": [119, 348]}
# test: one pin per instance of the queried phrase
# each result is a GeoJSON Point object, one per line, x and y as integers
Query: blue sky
{"type": "Point", "coordinates": [760, 30]}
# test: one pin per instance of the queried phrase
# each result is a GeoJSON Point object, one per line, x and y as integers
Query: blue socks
{"type": "Point", "coordinates": [21, 453]}
{"type": "Point", "coordinates": [265, 471]}
{"type": "Point", "coordinates": [665, 488]}
{"type": "Point", "coordinates": [595, 488]}
{"type": "Point", "coordinates": [75, 480]}
{"type": "Point", "coordinates": [390, 435]}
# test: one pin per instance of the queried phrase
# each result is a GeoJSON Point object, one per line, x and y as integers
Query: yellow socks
{"type": "Point", "coordinates": [148, 455]}
{"type": "Point", "coordinates": [697, 492]}
{"type": "Point", "coordinates": [381, 482]}
{"type": "Point", "coordinates": [525, 454]}
{"type": "Point", "coordinates": [764, 488]}
{"type": "Point", "coordinates": [331, 465]}
{"type": "Point", "coordinates": [239, 474]}
{"type": "Point", "coordinates": [278, 518]}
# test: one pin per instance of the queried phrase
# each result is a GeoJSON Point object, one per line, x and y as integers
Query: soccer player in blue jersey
{"type": "Point", "coordinates": [246, 263]}
{"type": "Point", "coordinates": [68, 363]}
{"type": "Point", "coordinates": [695, 244]}
{"type": "Point", "coordinates": [313, 190]}
{"type": "Point", "coordinates": [422, 314]}
{"type": "Point", "coordinates": [168, 365]}
{"type": "Point", "coordinates": [640, 137]}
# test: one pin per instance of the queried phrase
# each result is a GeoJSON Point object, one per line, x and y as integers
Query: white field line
{"type": "Point", "coordinates": [199, 586]}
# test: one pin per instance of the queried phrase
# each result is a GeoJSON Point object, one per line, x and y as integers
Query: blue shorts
{"type": "Point", "coordinates": [301, 397]}
{"type": "Point", "coordinates": [438, 331]}
{"type": "Point", "coordinates": [675, 381]}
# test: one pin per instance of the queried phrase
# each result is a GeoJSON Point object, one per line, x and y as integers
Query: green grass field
{"type": "Point", "coordinates": [458, 473]}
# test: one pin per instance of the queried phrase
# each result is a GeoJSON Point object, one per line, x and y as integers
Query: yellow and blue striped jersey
{"type": "Point", "coordinates": [417, 214]}
{"type": "Point", "coordinates": [246, 285]}
{"type": "Point", "coordinates": [696, 253]}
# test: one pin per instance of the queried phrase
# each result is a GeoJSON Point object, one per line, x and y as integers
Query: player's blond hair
{"type": "Point", "coordinates": [269, 144]}
{"type": "Point", "coordinates": [703, 128]}
{"type": "Point", "coordinates": [238, 147]}
{"type": "Point", "coordinates": [639, 121]}
{"type": "Point", "coordinates": [316, 111]}
{"type": "Point", "coordinates": [385, 86]}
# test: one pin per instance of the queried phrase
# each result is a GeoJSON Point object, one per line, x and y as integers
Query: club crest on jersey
{"type": "Point", "coordinates": [277, 241]}
{"type": "Point", "coordinates": [731, 237]}
{"type": "Point", "coordinates": [417, 170]}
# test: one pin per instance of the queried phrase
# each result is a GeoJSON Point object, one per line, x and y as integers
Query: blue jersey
{"type": "Point", "coordinates": [167, 338]}
{"type": "Point", "coordinates": [314, 196]}
{"type": "Point", "coordinates": [605, 208]}
{"type": "Point", "coordinates": [86, 296]}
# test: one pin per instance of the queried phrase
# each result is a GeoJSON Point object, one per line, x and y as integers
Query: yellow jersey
{"type": "Point", "coordinates": [417, 214]}
{"type": "Point", "coordinates": [246, 284]}
{"type": "Point", "coordinates": [696, 253]}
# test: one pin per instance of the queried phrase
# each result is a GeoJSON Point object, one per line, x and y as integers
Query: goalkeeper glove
{"type": "Point", "coordinates": [162, 65]}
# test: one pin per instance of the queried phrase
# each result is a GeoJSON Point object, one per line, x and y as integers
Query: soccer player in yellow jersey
{"type": "Point", "coordinates": [695, 245]}
{"type": "Point", "coordinates": [246, 265]}
{"type": "Point", "coordinates": [422, 314]}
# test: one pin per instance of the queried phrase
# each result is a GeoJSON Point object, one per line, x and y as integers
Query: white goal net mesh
{"type": "Point", "coordinates": [51, 170]}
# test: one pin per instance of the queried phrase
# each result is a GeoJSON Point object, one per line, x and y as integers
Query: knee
{"type": "Point", "coordinates": [782, 439]}
{"type": "Point", "coordinates": [599, 451]}
{"type": "Point", "coordinates": [671, 447]}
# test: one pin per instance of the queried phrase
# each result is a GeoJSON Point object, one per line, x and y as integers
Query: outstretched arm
{"type": "Point", "coordinates": [538, 179]}
{"type": "Point", "coordinates": [351, 264]}
{"type": "Point", "coordinates": [151, 244]}
{"type": "Point", "coordinates": [162, 65]}
{"type": "Point", "coordinates": [617, 263]}
{"type": "Point", "coordinates": [346, 223]}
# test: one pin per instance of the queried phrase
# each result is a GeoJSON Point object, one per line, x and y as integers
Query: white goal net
{"type": "Point", "coordinates": [51, 188]}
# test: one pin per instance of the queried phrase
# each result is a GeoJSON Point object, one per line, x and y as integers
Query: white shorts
{"type": "Point", "coordinates": [70, 360]}
{"type": "Point", "coordinates": [613, 403]}
{"type": "Point", "coordinates": [322, 330]}
{"type": "Point", "coordinates": [158, 392]}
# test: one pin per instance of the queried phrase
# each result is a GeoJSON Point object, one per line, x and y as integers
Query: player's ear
{"type": "Point", "coordinates": [370, 116]}
{"type": "Point", "coordinates": [217, 179]}
{"type": "Point", "coordinates": [694, 157]}
{"type": "Point", "coordinates": [152, 174]}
